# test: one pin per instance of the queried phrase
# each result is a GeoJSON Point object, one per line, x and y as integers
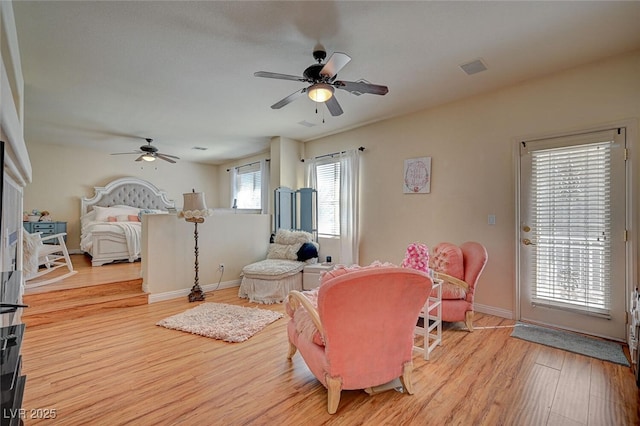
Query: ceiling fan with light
{"type": "Point", "coordinates": [322, 77]}
{"type": "Point", "coordinates": [150, 153]}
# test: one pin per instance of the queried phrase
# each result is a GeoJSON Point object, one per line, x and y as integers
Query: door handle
{"type": "Point", "coordinates": [527, 242]}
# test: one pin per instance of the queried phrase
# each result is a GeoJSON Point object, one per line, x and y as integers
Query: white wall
{"type": "Point", "coordinates": [62, 175]}
{"type": "Point", "coordinates": [471, 143]}
{"type": "Point", "coordinates": [168, 258]}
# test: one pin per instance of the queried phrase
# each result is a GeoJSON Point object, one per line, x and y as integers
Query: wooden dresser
{"type": "Point", "coordinates": [46, 228]}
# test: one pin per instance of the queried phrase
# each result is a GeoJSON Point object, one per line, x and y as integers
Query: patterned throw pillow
{"type": "Point", "coordinates": [417, 257]}
{"type": "Point", "coordinates": [447, 258]}
{"type": "Point", "coordinates": [287, 237]}
{"type": "Point", "coordinates": [283, 251]}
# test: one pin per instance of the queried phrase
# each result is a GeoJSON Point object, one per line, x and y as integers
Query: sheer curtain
{"type": "Point", "coordinates": [349, 206]}
{"type": "Point", "coordinates": [233, 178]}
{"type": "Point", "coordinates": [349, 200]}
{"type": "Point", "coordinates": [264, 185]}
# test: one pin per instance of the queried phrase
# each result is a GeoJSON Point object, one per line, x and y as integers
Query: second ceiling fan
{"type": "Point", "coordinates": [150, 153]}
{"type": "Point", "coordinates": [322, 77]}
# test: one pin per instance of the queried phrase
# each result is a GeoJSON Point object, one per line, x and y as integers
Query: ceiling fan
{"type": "Point", "coordinates": [323, 81]}
{"type": "Point", "coordinates": [150, 153]}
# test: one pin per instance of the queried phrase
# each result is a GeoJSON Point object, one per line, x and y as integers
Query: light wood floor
{"type": "Point", "coordinates": [120, 368]}
{"type": "Point", "coordinates": [88, 275]}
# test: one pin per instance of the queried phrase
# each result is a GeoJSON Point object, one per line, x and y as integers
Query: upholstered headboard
{"type": "Point", "coordinates": [128, 191]}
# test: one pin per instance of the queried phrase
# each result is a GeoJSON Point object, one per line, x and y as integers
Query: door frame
{"type": "Point", "coordinates": [631, 204]}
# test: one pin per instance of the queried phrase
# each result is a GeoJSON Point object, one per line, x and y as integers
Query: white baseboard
{"type": "Point", "coordinates": [159, 297]}
{"type": "Point", "coordinates": [491, 310]}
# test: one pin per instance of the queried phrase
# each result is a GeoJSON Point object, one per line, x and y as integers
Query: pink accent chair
{"type": "Point", "coordinates": [359, 334]}
{"type": "Point", "coordinates": [460, 268]}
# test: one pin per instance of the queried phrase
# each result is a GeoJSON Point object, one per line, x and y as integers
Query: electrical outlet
{"type": "Point", "coordinates": [221, 267]}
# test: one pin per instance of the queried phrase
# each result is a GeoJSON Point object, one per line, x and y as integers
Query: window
{"type": "Point", "coordinates": [571, 223]}
{"type": "Point", "coordinates": [248, 187]}
{"type": "Point", "coordinates": [328, 186]}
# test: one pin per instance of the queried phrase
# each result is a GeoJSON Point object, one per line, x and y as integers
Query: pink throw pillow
{"type": "Point", "coordinates": [447, 258]}
{"type": "Point", "coordinates": [134, 218]}
{"type": "Point", "coordinates": [112, 219]}
{"type": "Point", "coordinates": [417, 257]}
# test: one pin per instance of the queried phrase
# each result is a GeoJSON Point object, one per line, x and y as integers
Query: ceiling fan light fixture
{"type": "Point", "coordinates": [320, 92]}
{"type": "Point", "coordinates": [149, 157]}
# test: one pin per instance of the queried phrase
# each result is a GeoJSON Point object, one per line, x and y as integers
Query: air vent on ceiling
{"type": "Point", "coordinates": [305, 123]}
{"type": "Point", "coordinates": [474, 67]}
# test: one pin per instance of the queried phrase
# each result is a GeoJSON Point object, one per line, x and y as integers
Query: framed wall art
{"type": "Point", "coordinates": [417, 175]}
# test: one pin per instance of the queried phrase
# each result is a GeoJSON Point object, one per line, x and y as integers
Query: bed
{"type": "Point", "coordinates": [110, 221]}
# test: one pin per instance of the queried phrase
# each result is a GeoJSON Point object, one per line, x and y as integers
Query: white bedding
{"type": "Point", "coordinates": [131, 231]}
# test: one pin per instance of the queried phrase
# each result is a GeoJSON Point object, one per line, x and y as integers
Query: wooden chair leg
{"type": "Point", "coordinates": [334, 387]}
{"type": "Point", "coordinates": [468, 320]}
{"type": "Point", "coordinates": [407, 382]}
{"type": "Point", "coordinates": [292, 350]}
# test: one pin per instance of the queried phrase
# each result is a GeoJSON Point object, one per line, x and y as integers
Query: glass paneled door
{"type": "Point", "coordinates": [572, 233]}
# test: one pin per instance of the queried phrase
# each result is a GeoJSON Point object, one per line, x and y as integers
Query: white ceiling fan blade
{"type": "Point", "coordinates": [336, 62]}
{"type": "Point", "coordinates": [334, 107]}
{"type": "Point", "coordinates": [127, 153]}
{"type": "Point", "coordinates": [170, 156]}
{"type": "Point", "coordinates": [289, 99]}
{"type": "Point", "coordinates": [165, 158]}
{"type": "Point", "coordinates": [278, 76]}
{"type": "Point", "coordinates": [360, 87]}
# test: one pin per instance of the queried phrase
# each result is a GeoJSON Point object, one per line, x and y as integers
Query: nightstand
{"type": "Point", "coordinates": [46, 228]}
{"type": "Point", "coordinates": [311, 274]}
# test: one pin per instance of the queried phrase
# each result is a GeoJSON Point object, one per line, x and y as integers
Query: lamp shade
{"type": "Point", "coordinates": [320, 92]}
{"type": "Point", "coordinates": [194, 206]}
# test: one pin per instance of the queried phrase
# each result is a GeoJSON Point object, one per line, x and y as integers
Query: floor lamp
{"type": "Point", "coordinates": [194, 211]}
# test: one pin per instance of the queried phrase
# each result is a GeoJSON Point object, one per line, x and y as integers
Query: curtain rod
{"type": "Point", "coordinates": [332, 154]}
{"type": "Point", "coordinates": [524, 142]}
{"type": "Point", "coordinates": [250, 164]}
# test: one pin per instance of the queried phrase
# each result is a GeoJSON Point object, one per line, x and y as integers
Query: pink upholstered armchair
{"type": "Point", "coordinates": [359, 334]}
{"type": "Point", "coordinates": [460, 268]}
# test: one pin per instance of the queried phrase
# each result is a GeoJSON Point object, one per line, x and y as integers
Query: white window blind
{"type": "Point", "coordinates": [249, 187]}
{"type": "Point", "coordinates": [328, 186]}
{"type": "Point", "coordinates": [571, 228]}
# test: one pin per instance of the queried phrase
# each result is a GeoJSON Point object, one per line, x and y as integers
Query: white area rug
{"type": "Point", "coordinates": [222, 321]}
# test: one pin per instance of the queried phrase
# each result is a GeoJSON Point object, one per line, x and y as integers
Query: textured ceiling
{"type": "Point", "coordinates": [106, 74]}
